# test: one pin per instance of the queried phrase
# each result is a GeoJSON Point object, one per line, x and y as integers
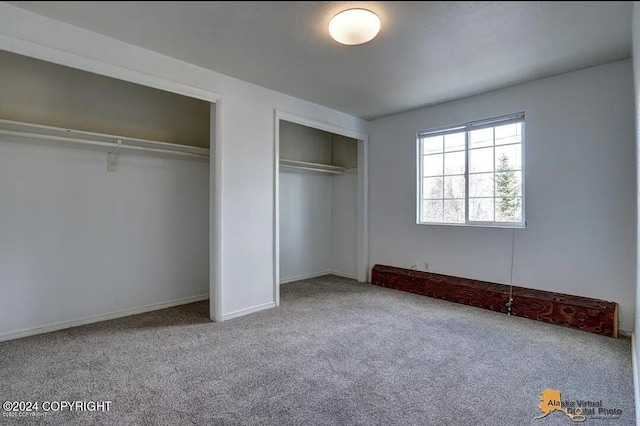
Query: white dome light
{"type": "Point", "coordinates": [354, 26]}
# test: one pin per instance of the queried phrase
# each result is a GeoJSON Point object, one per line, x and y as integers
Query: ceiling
{"type": "Point", "coordinates": [426, 52]}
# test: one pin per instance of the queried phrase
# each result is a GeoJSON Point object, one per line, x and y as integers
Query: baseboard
{"type": "Point", "coordinates": [304, 277]}
{"type": "Point", "coordinates": [343, 275]}
{"type": "Point", "coordinates": [316, 275]}
{"type": "Point", "coordinates": [636, 380]}
{"type": "Point", "coordinates": [103, 317]}
{"type": "Point", "coordinates": [247, 311]}
{"type": "Point", "coordinates": [625, 333]}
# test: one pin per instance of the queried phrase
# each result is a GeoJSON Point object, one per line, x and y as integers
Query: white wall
{"type": "Point", "coordinates": [318, 225]}
{"type": "Point", "coordinates": [344, 208]}
{"type": "Point", "coordinates": [636, 79]}
{"type": "Point", "coordinates": [77, 241]}
{"type": "Point", "coordinates": [305, 225]}
{"type": "Point", "coordinates": [305, 204]}
{"type": "Point", "coordinates": [318, 212]}
{"type": "Point", "coordinates": [245, 148]}
{"type": "Point", "coordinates": [344, 224]}
{"type": "Point", "coordinates": [580, 188]}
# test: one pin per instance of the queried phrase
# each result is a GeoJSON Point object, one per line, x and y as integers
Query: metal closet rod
{"type": "Point", "coordinates": [114, 143]}
{"type": "Point", "coordinates": [313, 167]}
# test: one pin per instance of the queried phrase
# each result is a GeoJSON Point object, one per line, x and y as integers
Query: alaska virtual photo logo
{"type": "Point", "coordinates": [577, 410]}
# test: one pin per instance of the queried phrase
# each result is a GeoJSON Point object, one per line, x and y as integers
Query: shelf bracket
{"type": "Point", "coordinates": [112, 158]}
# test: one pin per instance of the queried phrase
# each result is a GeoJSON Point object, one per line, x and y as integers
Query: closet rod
{"type": "Point", "coordinates": [308, 164]}
{"type": "Point", "coordinates": [109, 143]}
{"type": "Point", "coordinates": [312, 169]}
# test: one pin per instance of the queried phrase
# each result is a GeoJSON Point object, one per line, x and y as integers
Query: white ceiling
{"type": "Point", "coordinates": [426, 52]}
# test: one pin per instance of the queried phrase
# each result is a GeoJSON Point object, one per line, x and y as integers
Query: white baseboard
{"type": "Point", "coordinates": [316, 275]}
{"type": "Point", "coordinates": [625, 333]}
{"type": "Point", "coordinates": [97, 318]}
{"type": "Point", "coordinates": [247, 311]}
{"type": "Point", "coordinates": [636, 379]}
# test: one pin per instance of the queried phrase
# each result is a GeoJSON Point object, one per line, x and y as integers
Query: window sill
{"type": "Point", "coordinates": [477, 225]}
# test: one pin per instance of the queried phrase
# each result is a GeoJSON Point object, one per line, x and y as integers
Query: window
{"type": "Point", "coordinates": [473, 174]}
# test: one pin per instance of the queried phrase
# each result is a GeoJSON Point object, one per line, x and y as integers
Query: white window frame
{"type": "Point", "coordinates": [467, 127]}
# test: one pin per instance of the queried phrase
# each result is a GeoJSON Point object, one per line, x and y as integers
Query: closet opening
{"type": "Point", "coordinates": [107, 190]}
{"type": "Point", "coordinates": [320, 201]}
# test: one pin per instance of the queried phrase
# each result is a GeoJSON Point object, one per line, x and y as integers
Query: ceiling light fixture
{"type": "Point", "coordinates": [354, 26]}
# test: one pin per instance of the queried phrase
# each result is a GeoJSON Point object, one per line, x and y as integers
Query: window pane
{"type": "Point", "coordinates": [432, 145]}
{"type": "Point", "coordinates": [433, 187]}
{"type": "Point", "coordinates": [454, 187]}
{"type": "Point", "coordinates": [509, 133]}
{"type": "Point", "coordinates": [454, 142]}
{"type": "Point", "coordinates": [432, 165]}
{"type": "Point", "coordinates": [481, 137]}
{"type": "Point", "coordinates": [454, 211]}
{"type": "Point", "coordinates": [454, 163]}
{"type": "Point", "coordinates": [432, 211]}
{"type": "Point", "coordinates": [509, 209]}
{"type": "Point", "coordinates": [481, 160]}
{"type": "Point", "coordinates": [508, 157]}
{"type": "Point", "coordinates": [484, 164]}
{"type": "Point", "coordinates": [509, 184]}
{"type": "Point", "coordinates": [481, 185]}
{"type": "Point", "coordinates": [481, 209]}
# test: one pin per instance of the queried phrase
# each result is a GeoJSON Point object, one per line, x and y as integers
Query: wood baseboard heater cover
{"type": "Point", "coordinates": [583, 313]}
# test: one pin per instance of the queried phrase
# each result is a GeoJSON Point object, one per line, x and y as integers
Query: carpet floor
{"type": "Point", "coordinates": [336, 352]}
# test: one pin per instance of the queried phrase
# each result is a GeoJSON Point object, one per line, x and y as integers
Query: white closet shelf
{"type": "Point", "coordinates": [313, 167]}
{"type": "Point", "coordinates": [50, 135]}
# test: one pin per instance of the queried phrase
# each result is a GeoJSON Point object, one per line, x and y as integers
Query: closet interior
{"type": "Point", "coordinates": [318, 203]}
{"type": "Point", "coordinates": [105, 194]}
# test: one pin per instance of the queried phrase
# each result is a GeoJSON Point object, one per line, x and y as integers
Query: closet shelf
{"type": "Point", "coordinates": [59, 136]}
{"type": "Point", "coordinates": [313, 167]}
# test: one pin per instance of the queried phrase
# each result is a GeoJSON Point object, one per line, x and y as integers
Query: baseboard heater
{"type": "Point", "coordinates": [583, 313]}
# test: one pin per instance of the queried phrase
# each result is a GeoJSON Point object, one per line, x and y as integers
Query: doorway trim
{"type": "Point", "coordinates": [363, 190]}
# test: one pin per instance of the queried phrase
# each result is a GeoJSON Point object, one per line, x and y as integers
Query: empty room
{"type": "Point", "coordinates": [319, 213]}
